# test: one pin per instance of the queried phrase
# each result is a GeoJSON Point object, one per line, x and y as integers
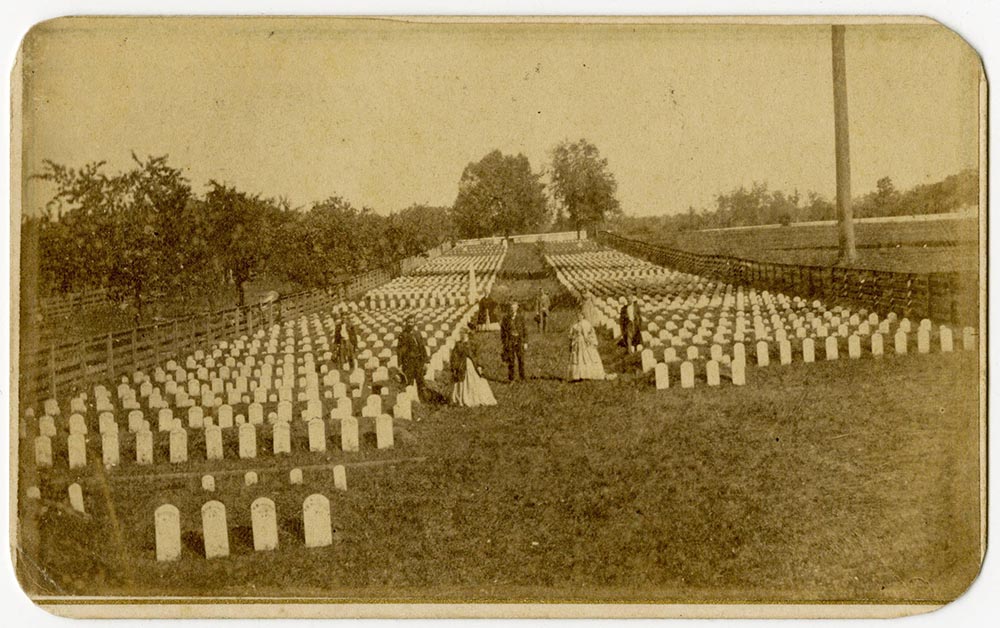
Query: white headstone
{"type": "Point", "coordinates": [317, 435]}
{"type": "Point", "coordinates": [923, 340]}
{"type": "Point", "coordinates": [178, 445]}
{"type": "Point", "coordinates": [248, 441]}
{"type": "Point", "coordinates": [340, 477]}
{"type": "Point", "coordinates": [853, 347]}
{"type": "Point", "coordinates": [832, 350]}
{"type": "Point", "coordinates": [167, 521]}
{"type": "Point", "coordinates": [878, 345]}
{"type": "Point", "coordinates": [110, 453]}
{"type": "Point", "coordinates": [144, 447]}
{"type": "Point", "coordinates": [214, 529]}
{"type": "Point", "coordinates": [208, 483]}
{"type": "Point", "coordinates": [43, 452]}
{"type": "Point", "coordinates": [281, 437]}
{"type": "Point", "coordinates": [763, 359]}
{"type": "Point", "coordinates": [295, 476]}
{"type": "Point", "coordinates": [349, 434]}
{"type": "Point", "coordinates": [265, 524]}
{"type": "Point", "coordinates": [383, 431]}
{"type": "Point", "coordinates": [662, 374]}
{"type": "Point", "coordinates": [77, 446]}
{"type": "Point", "coordinates": [712, 372]}
{"type": "Point", "coordinates": [76, 497]}
{"type": "Point", "coordinates": [77, 424]}
{"type": "Point", "coordinates": [316, 522]}
{"type": "Point", "coordinates": [687, 375]}
{"type": "Point", "coordinates": [213, 443]}
{"type": "Point", "coordinates": [968, 339]}
{"type": "Point", "coordinates": [900, 341]}
{"type": "Point", "coordinates": [785, 351]}
{"type": "Point", "coordinates": [947, 343]}
{"type": "Point", "coordinates": [739, 371]}
{"type": "Point", "coordinates": [250, 478]}
{"type": "Point", "coordinates": [648, 361]}
{"type": "Point", "coordinates": [808, 350]}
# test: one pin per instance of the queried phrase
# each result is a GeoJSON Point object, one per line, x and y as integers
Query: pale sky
{"type": "Point", "coordinates": [387, 114]}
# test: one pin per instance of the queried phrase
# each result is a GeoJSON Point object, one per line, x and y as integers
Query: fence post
{"type": "Point", "coordinates": [111, 357]}
{"type": "Point", "coordinates": [175, 342]}
{"type": "Point", "coordinates": [135, 350]}
{"type": "Point", "coordinates": [52, 371]}
{"type": "Point", "coordinates": [83, 362]}
{"type": "Point", "coordinates": [156, 343]}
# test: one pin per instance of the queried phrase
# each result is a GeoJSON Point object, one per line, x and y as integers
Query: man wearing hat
{"type": "Point", "coordinates": [630, 320]}
{"type": "Point", "coordinates": [514, 340]}
{"type": "Point", "coordinates": [412, 352]}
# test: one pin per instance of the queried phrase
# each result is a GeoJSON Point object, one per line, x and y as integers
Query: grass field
{"type": "Point", "coordinates": [916, 247]}
{"type": "Point", "coordinates": [856, 479]}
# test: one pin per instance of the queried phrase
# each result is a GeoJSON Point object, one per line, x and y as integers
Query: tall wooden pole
{"type": "Point", "coordinates": [845, 214]}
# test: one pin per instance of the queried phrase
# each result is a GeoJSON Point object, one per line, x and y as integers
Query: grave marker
{"type": "Point", "coordinates": [144, 447]}
{"type": "Point", "coordinates": [265, 524]}
{"type": "Point", "coordinates": [248, 441]}
{"type": "Point", "coordinates": [167, 521]}
{"type": "Point", "coordinates": [349, 434]}
{"type": "Point", "coordinates": [316, 522]}
{"type": "Point", "coordinates": [215, 531]}
{"type": "Point", "coordinates": [76, 497]}
{"type": "Point", "coordinates": [77, 446]}
{"type": "Point", "coordinates": [340, 477]}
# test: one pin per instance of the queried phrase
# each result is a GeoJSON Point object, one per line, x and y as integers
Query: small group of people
{"type": "Point", "coordinates": [469, 387]}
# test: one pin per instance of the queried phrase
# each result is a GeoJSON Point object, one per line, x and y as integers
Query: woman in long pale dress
{"type": "Point", "coordinates": [468, 388]}
{"type": "Point", "coordinates": [584, 359]}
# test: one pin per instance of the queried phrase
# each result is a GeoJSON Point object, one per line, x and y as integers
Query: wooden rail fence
{"type": "Point", "coordinates": [945, 297]}
{"type": "Point", "coordinates": [57, 369]}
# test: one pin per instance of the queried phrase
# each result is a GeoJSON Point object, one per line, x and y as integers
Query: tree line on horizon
{"type": "Point", "coordinates": [760, 205]}
{"type": "Point", "coordinates": [146, 232]}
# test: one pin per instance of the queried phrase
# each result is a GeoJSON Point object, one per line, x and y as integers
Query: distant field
{"type": "Point", "coordinates": [917, 247]}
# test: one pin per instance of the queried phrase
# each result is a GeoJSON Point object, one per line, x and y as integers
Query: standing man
{"type": "Point", "coordinates": [345, 339]}
{"type": "Point", "coordinates": [544, 303]}
{"type": "Point", "coordinates": [514, 340]}
{"type": "Point", "coordinates": [412, 352]}
{"type": "Point", "coordinates": [630, 321]}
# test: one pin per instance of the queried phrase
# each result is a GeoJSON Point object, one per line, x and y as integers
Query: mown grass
{"type": "Point", "coordinates": [847, 480]}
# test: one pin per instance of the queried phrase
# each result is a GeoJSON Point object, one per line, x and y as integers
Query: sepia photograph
{"type": "Point", "coordinates": [497, 316]}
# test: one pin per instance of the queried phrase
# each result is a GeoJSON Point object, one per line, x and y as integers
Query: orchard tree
{"type": "Point", "coordinates": [239, 229]}
{"type": "Point", "coordinates": [499, 194]}
{"type": "Point", "coordinates": [122, 232]}
{"type": "Point", "coordinates": [582, 185]}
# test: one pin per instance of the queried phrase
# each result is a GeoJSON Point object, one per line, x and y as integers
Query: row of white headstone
{"type": "Point", "coordinates": [247, 433]}
{"type": "Point", "coordinates": [316, 525]}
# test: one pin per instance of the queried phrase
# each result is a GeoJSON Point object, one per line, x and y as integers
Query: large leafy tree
{"type": "Point", "coordinates": [240, 229]}
{"type": "Point", "coordinates": [124, 232]}
{"type": "Point", "coordinates": [499, 194]}
{"type": "Point", "coordinates": [582, 185]}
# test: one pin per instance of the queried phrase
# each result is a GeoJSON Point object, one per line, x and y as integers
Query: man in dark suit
{"type": "Point", "coordinates": [412, 352]}
{"type": "Point", "coordinates": [345, 339]}
{"type": "Point", "coordinates": [514, 339]}
{"type": "Point", "coordinates": [630, 321]}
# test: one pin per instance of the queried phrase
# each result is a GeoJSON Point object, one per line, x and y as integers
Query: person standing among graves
{"type": "Point", "coordinates": [468, 388]}
{"type": "Point", "coordinates": [544, 304]}
{"type": "Point", "coordinates": [584, 359]}
{"type": "Point", "coordinates": [630, 321]}
{"type": "Point", "coordinates": [412, 352]}
{"type": "Point", "coordinates": [345, 339]}
{"type": "Point", "coordinates": [588, 307]}
{"type": "Point", "coordinates": [486, 317]}
{"type": "Point", "coordinates": [514, 340]}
